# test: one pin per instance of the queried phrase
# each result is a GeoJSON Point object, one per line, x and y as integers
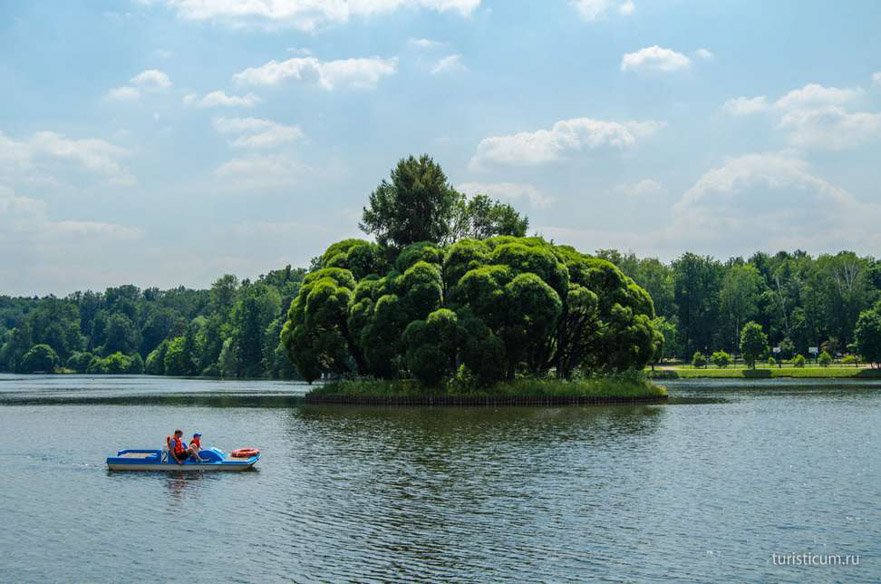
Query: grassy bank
{"type": "Point", "coordinates": [621, 387]}
{"type": "Point", "coordinates": [764, 373]}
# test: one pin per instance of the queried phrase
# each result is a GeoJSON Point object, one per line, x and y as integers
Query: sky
{"type": "Point", "coordinates": [167, 142]}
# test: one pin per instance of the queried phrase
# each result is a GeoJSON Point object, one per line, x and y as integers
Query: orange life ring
{"type": "Point", "coordinates": [245, 452]}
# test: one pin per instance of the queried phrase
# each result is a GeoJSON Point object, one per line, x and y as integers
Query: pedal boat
{"type": "Point", "coordinates": [212, 459]}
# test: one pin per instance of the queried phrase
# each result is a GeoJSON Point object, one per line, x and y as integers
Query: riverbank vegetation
{"type": "Point", "coordinates": [621, 386]}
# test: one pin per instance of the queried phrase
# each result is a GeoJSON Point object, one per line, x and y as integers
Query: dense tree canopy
{"type": "Point", "coordinates": [489, 309]}
{"type": "Point", "coordinates": [419, 204]}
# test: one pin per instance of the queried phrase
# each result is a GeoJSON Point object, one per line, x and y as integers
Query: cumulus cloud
{"type": "Point", "coordinates": [646, 188]}
{"type": "Point", "coordinates": [655, 58]}
{"type": "Point", "coordinates": [744, 106]}
{"type": "Point", "coordinates": [592, 10]}
{"type": "Point", "coordinates": [448, 64]}
{"type": "Point", "coordinates": [36, 246]}
{"type": "Point", "coordinates": [305, 15]}
{"type": "Point", "coordinates": [508, 191]}
{"type": "Point", "coordinates": [44, 154]}
{"type": "Point", "coordinates": [256, 132]}
{"type": "Point", "coordinates": [815, 116]}
{"type": "Point", "coordinates": [261, 172]}
{"type": "Point", "coordinates": [564, 137]}
{"type": "Point", "coordinates": [770, 201]}
{"type": "Point", "coordinates": [147, 81]}
{"type": "Point", "coordinates": [424, 44]}
{"type": "Point", "coordinates": [704, 54]}
{"type": "Point", "coordinates": [830, 128]}
{"type": "Point", "coordinates": [360, 73]}
{"type": "Point", "coordinates": [221, 99]}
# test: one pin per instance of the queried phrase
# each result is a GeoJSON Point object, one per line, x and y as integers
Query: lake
{"type": "Point", "coordinates": [705, 488]}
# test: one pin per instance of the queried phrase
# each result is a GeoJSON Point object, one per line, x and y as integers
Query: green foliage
{"type": "Point", "coordinates": [799, 360]}
{"type": "Point", "coordinates": [419, 205]}
{"type": "Point", "coordinates": [850, 360]}
{"type": "Point", "coordinates": [753, 343]}
{"type": "Point", "coordinates": [79, 361]}
{"type": "Point", "coordinates": [116, 364]}
{"type": "Point", "coordinates": [488, 310]}
{"type": "Point", "coordinates": [825, 359]}
{"type": "Point", "coordinates": [39, 358]}
{"type": "Point", "coordinates": [698, 360]}
{"type": "Point", "coordinates": [772, 361]}
{"type": "Point", "coordinates": [721, 359]}
{"type": "Point", "coordinates": [868, 335]}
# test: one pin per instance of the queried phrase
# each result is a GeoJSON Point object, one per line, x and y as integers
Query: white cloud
{"type": "Point", "coordinates": [45, 153]}
{"type": "Point", "coordinates": [41, 252]}
{"type": "Point", "coordinates": [645, 188]}
{"type": "Point", "coordinates": [876, 78]}
{"type": "Point", "coordinates": [149, 80]}
{"type": "Point", "coordinates": [261, 172]}
{"type": "Point", "coordinates": [256, 132]}
{"type": "Point", "coordinates": [704, 54]}
{"type": "Point", "coordinates": [813, 94]}
{"type": "Point", "coordinates": [744, 106]}
{"type": "Point", "coordinates": [508, 191]}
{"type": "Point", "coordinates": [448, 64]}
{"type": "Point", "coordinates": [592, 10]}
{"type": "Point", "coordinates": [770, 201]}
{"type": "Point", "coordinates": [654, 58]}
{"type": "Point", "coordinates": [221, 99]}
{"type": "Point", "coordinates": [124, 93]}
{"type": "Point", "coordinates": [814, 116]}
{"type": "Point", "coordinates": [830, 128]}
{"type": "Point", "coordinates": [424, 44]}
{"type": "Point", "coordinates": [305, 14]}
{"type": "Point", "coordinates": [362, 73]}
{"type": "Point", "coordinates": [564, 137]}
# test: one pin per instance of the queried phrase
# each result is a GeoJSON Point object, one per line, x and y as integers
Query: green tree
{"type": "Point", "coordinates": [825, 359]}
{"type": "Point", "coordinates": [721, 359]}
{"type": "Point", "coordinates": [868, 336]}
{"type": "Point", "coordinates": [40, 358]}
{"type": "Point", "coordinates": [416, 205]}
{"type": "Point", "coordinates": [753, 343]}
{"type": "Point", "coordinates": [739, 297]}
{"type": "Point", "coordinates": [698, 360]}
{"type": "Point", "coordinates": [480, 217]}
{"type": "Point", "coordinates": [697, 281]}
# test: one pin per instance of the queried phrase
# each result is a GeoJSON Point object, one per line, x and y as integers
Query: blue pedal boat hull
{"type": "Point", "coordinates": [159, 461]}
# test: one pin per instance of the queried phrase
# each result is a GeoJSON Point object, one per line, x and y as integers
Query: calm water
{"type": "Point", "coordinates": [705, 488]}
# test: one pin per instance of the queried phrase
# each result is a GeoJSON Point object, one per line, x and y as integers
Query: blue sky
{"type": "Point", "coordinates": [166, 142]}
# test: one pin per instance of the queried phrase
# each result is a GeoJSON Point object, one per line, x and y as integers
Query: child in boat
{"type": "Point", "coordinates": [196, 445]}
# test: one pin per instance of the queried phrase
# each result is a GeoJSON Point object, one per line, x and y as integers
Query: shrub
{"type": "Point", "coordinates": [699, 360]}
{"type": "Point", "coordinates": [798, 360]}
{"type": "Point", "coordinates": [721, 359]}
{"type": "Point", "coordinates": [40, 358]}
{"type": "Point", "coordinates": [850, 360]}
{"type": "Point", "coordinates": [825, 359]}
{"type": "Point", "coordinates": [79, 361]}
{"type": "Point", "coordinates": [772, 361]}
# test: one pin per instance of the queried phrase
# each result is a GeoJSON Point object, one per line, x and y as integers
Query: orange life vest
{"type": "Point", "coordinates": [197, 442]}
{"type": "Point", "coordinates": [176, 445]}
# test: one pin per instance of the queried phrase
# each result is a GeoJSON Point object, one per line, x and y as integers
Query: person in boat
{"type": "Point", "coordinates": [178, 449]}
{"type": "Point", "coordinates": [196, 444]}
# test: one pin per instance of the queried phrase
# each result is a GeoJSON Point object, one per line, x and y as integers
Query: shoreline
{"type": "Point", "coordinates": [766, 373]}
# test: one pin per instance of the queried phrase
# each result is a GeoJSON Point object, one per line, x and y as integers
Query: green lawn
{"type": "Point", "coordinates": [740, 372]}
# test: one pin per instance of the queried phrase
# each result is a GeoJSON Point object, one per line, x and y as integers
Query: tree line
{"type": "Point", "coordinates": [831, 302]}
{"type": "Point", "coordinates": [230, 330]}
{"type": "Point", "coordinates": [427, 236]}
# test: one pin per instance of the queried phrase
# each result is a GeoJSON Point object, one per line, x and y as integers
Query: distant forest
{"type": "Point", "coordinates": [229, 330]}
{"type": "Point", "coordinates": [232, 329]}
